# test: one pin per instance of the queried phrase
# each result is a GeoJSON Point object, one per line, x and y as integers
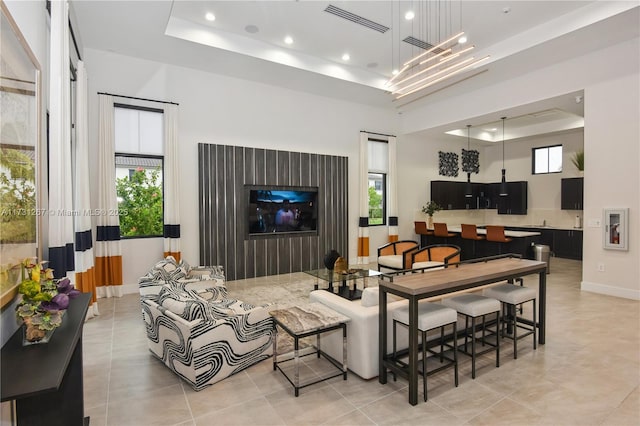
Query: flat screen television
{"type": "Point", "coordinates": [282, 210]}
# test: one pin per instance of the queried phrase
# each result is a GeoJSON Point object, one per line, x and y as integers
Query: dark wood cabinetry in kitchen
{"type": "Point", "coordinates": [572, 193]}
{"type": "Point", "coordinates": [451, 195]}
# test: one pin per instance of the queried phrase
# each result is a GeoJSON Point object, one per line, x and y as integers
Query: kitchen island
{"type": "Point", "coordinates": [522, 242]}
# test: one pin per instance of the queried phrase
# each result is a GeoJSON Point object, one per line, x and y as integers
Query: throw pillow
{"type": "Point", "coordinates": [185, 304]}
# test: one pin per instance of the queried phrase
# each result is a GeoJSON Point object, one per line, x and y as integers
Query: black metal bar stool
{"type": "Point", "coordinates": [475, 306]}
{"type": "Point", "coordinates": [430, 317]}
{"type": "Point", "coordinates": [511, 295]}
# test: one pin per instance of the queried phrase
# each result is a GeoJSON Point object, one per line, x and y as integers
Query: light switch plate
{"type": "Point", "coordinates": [594, 223]}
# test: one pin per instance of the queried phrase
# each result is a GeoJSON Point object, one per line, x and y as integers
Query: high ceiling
{"type": "Point", "coordinates": [246, 39]}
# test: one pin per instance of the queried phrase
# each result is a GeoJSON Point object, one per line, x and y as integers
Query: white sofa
{"type": "Point", "coordinates": [362, 330]}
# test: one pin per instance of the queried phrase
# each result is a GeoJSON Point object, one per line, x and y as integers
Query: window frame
{"type": "Point", "coordinates": [547, 148]}
{"type": "Point", "coordinates": [143, 156]}
{"type": "Point", "coordinates": [384, 199]}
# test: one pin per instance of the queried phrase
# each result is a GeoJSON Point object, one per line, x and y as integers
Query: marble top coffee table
{"type": "Point", "coordinates": [306, 320]}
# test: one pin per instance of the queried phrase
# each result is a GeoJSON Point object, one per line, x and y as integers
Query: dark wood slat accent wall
{"type": "Point", "coordinates": [223, 173]}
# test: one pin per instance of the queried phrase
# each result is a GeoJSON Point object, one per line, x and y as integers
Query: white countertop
{"type": "Point", "coordinates": [507, 233]}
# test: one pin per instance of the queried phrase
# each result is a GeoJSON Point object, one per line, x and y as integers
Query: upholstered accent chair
{"type": "Point", "coordinates": [196, 329]}
{"type": "Point", "coordinates": [435, 255]}
{"type": "Point", "coordinates": [396, 255]}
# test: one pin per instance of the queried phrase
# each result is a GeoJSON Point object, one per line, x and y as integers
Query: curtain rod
{"type": "Point", "coordinates": [379, 134]}
{"type": "Point", "coordinates": [139, 99]}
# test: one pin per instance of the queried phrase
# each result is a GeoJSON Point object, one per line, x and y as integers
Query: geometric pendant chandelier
{"type": "Point", "coordinates": [439, 61]}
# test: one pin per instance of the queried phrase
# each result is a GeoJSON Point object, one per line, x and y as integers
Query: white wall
{"type": "Point", "coordinates": [609, 78]}
{"type": "Point", "coordinates": [612, 155]}
{"type": "Point", "coordinates": [223, 110]}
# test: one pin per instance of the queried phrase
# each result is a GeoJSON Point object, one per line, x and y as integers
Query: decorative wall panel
{"type": "Point", "coordinates": [223, 173]}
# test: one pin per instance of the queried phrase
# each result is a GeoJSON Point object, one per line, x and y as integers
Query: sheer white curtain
{"type": "Point", "coordinates": [363, 204]}
{"type": "Point", "coordinates": [85, 272]}
{"type": "Point", "coordinates": [108, 251]}
{"type": "Point", "coordinates": [171, 179]}
{"type": "Point", "coordinates": [61, 253]}
{"type": "Point", "coordinates": [392, 188]}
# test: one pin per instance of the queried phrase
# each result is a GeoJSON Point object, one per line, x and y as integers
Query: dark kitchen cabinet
{"type": "Point", "coordinates": [567, 243]}
{"type": "Point", "coordinates": [516, 201]}
{"type": "Point", "coordinates": [572, 193]}
{"type": "Point", "coordinates": [450, 195]}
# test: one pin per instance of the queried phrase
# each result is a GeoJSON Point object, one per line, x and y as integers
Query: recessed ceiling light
{"type": "Point", "coordinates": [346, 57]}
{"type": "Point", "coordinates": [394, 72]}
{"type": "Point", "coordinates": [409, 15]}
{"type": "Point", "coordinates": [288, 40]}
{"type": "Point", "coordinates": [251, 29]}
{"type": "Point", "coordinates": [462, 40]}
{"type": "Point", "coordinates": [210, 16]}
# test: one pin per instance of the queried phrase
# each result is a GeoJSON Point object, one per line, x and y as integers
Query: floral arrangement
{"type": "Point", "coordinates": [44, 299]}
{"type": "Point", "coordinates": [431, 207]}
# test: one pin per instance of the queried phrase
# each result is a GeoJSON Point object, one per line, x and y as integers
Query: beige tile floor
{"type": "Point", "coordinates": [588, 373]}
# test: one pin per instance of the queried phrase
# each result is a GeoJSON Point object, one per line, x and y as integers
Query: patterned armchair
{"type": "Point", "coordinates": [196, 329]}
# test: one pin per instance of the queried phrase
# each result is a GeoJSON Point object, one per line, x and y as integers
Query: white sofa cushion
{"type": "Point", "coordinates": [427, 264]}
{"type": "Point", "coordinates": [391, 260]}
{"type": "Point", "coordinates": [371, 297]}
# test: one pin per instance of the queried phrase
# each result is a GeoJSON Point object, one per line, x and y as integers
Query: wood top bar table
{"type": "Point", "coordinates": [456, 277]}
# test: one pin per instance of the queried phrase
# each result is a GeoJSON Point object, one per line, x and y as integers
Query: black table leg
{"type": "Point", "coordinates": [413, 351]}
{"type": "Point", "coordinates": [542, 306]}
{"type": "Point", "coordinates": [382, 336]}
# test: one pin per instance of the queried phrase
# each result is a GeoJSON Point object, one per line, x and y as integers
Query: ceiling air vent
{"type": "Point", "coordinates": [421, 44]}
{"type": "Point", "coordinates": [355, 18]}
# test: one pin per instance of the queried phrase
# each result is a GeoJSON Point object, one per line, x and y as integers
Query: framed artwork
{"type": "Point", "coordinates": [616, 229]}
{"type": "Point", "coordinates": [20, 216]}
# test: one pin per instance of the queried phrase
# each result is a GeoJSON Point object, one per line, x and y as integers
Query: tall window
{"type": "Point", "coordinates": [378, 169]}
{"type": "Point", "coordinates": [547, 159]}
{"type": "Point", "coordinates": [139, 136]}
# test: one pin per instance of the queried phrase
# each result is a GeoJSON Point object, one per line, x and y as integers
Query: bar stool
{"type": "Point", "coordinates": [511, 295]}
{"type": "Point", "coordinates": [430, 317]}
{"type": "Point", "coordinates": [474, 306]}
{"type": "Point", "coordinates": [421, 229]}
{"type": "Point", "coordinates": [470, 232]}
{"type": "Point", "coordinates": [440, 230]}
{"type": "Point", "coordinates": [495, 234]}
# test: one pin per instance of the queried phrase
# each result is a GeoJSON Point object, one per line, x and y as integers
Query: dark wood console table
{"type": "Point", "coordinates": [46, 380]}
{"type": "Point", "coordinates": [463, 276]}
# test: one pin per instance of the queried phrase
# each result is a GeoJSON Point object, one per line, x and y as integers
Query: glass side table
{"type": "Point", "coordinates": [348, 281]}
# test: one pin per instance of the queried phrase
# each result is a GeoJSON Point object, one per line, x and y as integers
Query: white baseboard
{"type": "Point", "coordinates": [625, 293]}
